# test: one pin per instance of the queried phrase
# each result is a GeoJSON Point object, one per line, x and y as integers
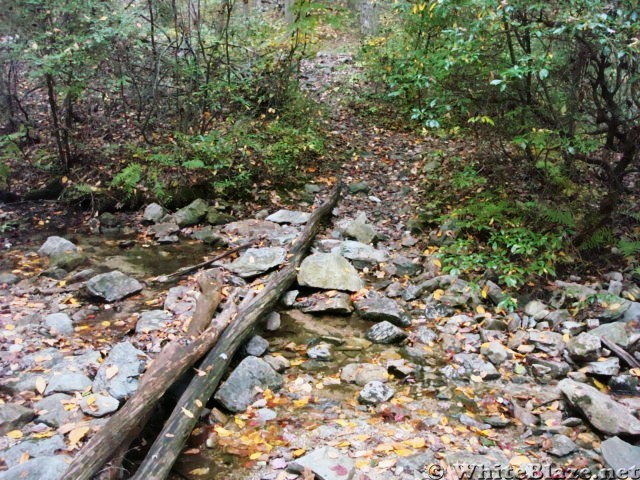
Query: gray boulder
{"type": "Point", "coordinates": [359, 187]}
{"type": "Point", "coordinates": [289, 216]}
{"type": "Point", "coordinates": [42, 468]}
{"type": "Point", "coordinates": [326, 463]}
{"type": "Point", "coordinates": [191, 214]}
{"type": "Point", "coordinates": [562, 446]}
{"type": "Point", "coordinates": [473, 364]}
{"type": "Point", "coordinates": [377, 308]}
{"type": "Point", "coordinates": [239, 391]}
{"type": "Point", "coordinates": [113, 286]}
{"type": "Point", "coordinates": [495, 352]}
{"type": "Point", "coordinates": [608, 367]}
{"type": "Point", "coordinates": [8, 278]}
{"type": "Point", "coordinates": [153, 213]}
{"type": "Point", "coordinates": [616, 332]}
{"type": "Point", "coordinates": [34, 448]}
{"type": "Point", "coordinates": [605, 414]}
{"type": "Point", "coordinates": [118, 374]}
{"type": "Point", "coordinates": [358, 229]}
{"type": "Point", "coordinates": [165, 230]}
{"type": "Point", "coordinates": [330, 272]}
{"type": "Point", "coordinates": [620, 455]}
{"type": "Point", "coordinates": [255, 261]}
{"type": "Point", "coordinates": [99, 405]}
{"type": "Point", "coordinates": [246, 230]}
{"type": "Point", "coordinates": [385, 333]}
{"type": "Point", "coordinates": [152, 320]}
{"type": "Point", "coordinates": [210, 236]}
{"type": "Point", "coordinates": [59, 324]}
{"type": "Point", "coordinates": [406, 266]}
{"type": "Point", "coordinates": [56, 245]}
{"type": "Point", "coordinates": [363, 373]}
{"type": "Point", "coordinates": [13, 416]}
{"type": "Point", "coordinates": [320, 352]}
{"type": "Point", "coordinates": [256, 346]}
{"type": "Point", "coordinates": [536, 309]}
{"type": "Point", "coordinates": [375, 392]}
{"type": "Point", "coordinates": [67, 261]}
{"type": "Point", "coordinates": [216, 217]}
{"type": "Point", "coordinates": [362, 255]}
{"type": "Point", "coordinates": [67, 383]}
{"type": "Point", "coordinates": [335, 303]}
{"type": "Point", "coordinates": [546, 341]}
{"type": "Point", "coordinates": [584, 347]}
{"type": "Point", "coordinates": [51, 410]}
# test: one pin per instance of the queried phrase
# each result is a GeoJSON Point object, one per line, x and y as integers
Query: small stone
{"type": "Point", "coordinates": [216, 218]}
{"type": "Point", "coordinates": [572, 328]}
{"type": "Point", "coordinates": [359, 187]}
{"type": "Point", "coordinates": [562, 446]}
{"type": "Point", "coordinates": [51, 410]}
{"type": "Point", "coordinates": [326, 463]}
{"type": "Point", "coordinates": [118, 374]}
{"type": "Point", "coordinates": [67, 261]}
{"type": "Point", "coordinates": [375, 392]}
{"type": "Point", "coordinates": [358, 229]}
{"type": "Point", "coordinates": [360, 254]}
{"type": "Point", "coordinates": [552, 368]}
{"type": "Point", "coordinates": [495, 352]}
{"type": "Point", "coordinates": [363, 373]}
{"type": "Point", "coordinates": [434, 311]}
{"type": "Point", "coordinates": [321, 352]}
{"type": "Point", "coordinates": [59, 324]}
{"type": "Point", "coordinates": [98, 405]}
{"type": "Point", "coordinates": [473, 364]}
{"type": "Point", "coordinates": [615, 332]}
{"type": "Point", "coordinates": [425, 335]}
{"type": "Point", "coordinates": [56, 245]}
{"type": "Point", "coordinates": [625, 384]}
{"type": "Point", "coordinates": [152, 320]}
{"type": "Point", "coordinates": [385, 333]}
{"type": "Point", "coordinates": [330, 272]}
{"type": "Point", "coordinates": [277, 362]}
{"type": "Point", "coordinates": [289, 216]}
{"type": "Point", "coordinates": [153, 213]}
{"type": "Point", "coordinates": [209, 236]}
{"type": "Point", "coordinates": [377, 308]}
{"type": "Point", "coordinates": [272, 322]}
{"type": "Point", "coordinates": [536, 309]}
{"type": "Point", "coordinates": [113, 286]}
{"type": "Point", "coordinates": [406, 266]}
{"type": "Point", "coordinates": [8, 278]}
{"type": "Point", "coordinates": [13, 416]}
{"type": "Point", "coordinates": [165, 229]}
{"type": "Point", "coordinates": [289, 298]}
{"type": "Point", "coordinates": [332, 302]}
{"type": "Point", "coordinates": [256, 346]}
{"type": "Point", "coordinates": [255, 261]}
{"type": "Point", "coordinates": [546, 341]}
{"type": "Point", "coordinates": [191, 214]}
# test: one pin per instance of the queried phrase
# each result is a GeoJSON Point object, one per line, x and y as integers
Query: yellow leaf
{"type": "Point", "coordinates": [446, 439]}
{"type": "Point", "coordinates": [47, 434]}
{"type": "Point", "coordinates": [301, 402]}
{"type": "Point", "coordinates": [255, 455]}
{"type": "Point", "coordinates": [362, 463]}
{"type": "Point", "coordinates": [635, 371]}
{"type": "Point", "coordinates": [299, 452]}
{"type": "Point", "coordinates": [519, 460]}
{"type": "Point", "coordinates": [404, 452]}
{"type": "Point", "coordinates": [200, 471]}
{"type": "Point", "coordinates": [91, 400]}
{"type": "Point", "coordinates": [416, 442]}
{"type": "Point", "coordinates": [239, 422]}
{"type": "Point", "coordinates": [41, 385]}
{"type": "Point", "coordinates": [24, 457]}
{"type": "Point", "coordinates": [362, 437]}
{"type": "Point", "coordinates": [601, 386]}
{"type": "Point", "coordinates": [111, 371]}
{"type": "Point", "coordinates": [437, 295]}
{"type": "Point", "coordinates": [223, 432]}
{"type": "Point", "coordinates": [387, 463]}
{"type": "Point", "coordinates": [14, 434]}
{"type": "Point", "coordinates": [384, 447]}
{"type": "Point", "coordinates": [105, 323]}
{"type": "Point", "coordinates": [437, 263]}
{"type": "Point", "coordinates": [344, 443]}
{"type": "Point", "coordinates": [77, 434]}
{"type": "Point", "coordinates": [480, 309]}
{"type": "Point", "coordinates": [10, 326]}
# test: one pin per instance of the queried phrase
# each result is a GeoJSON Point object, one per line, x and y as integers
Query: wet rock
{"type": "Point", "coordinates": [209, 236]}
{"type": "Point", "coordinates": [603, 413]}
{"type": "Point", "coordinates": [13, 416]}
{"type": "Point", "coordinates": [59, 324]}
{"type": "Point", "coordinates": [358, 229]}
{"type": "Point", "coordinates": [7, 278]}
{"type": "Point", "coordinates": [216, 218]}
{"type": "Point", "coordinates": [45, 447]}
{"type": "Point", "coordinates": [256, 346]}
{"type": "Point", "coordinates": [336, 303]}
{"type": "Point", "coordinates": [255, 261]}
{"type": "Point", "coordinates": [548, 342]}
{"type": "Point", "coordinates": [113, 286]}
{"type": "Point", "coordinates": [238, 392]}
{"type": "Point", "coordinates": [165, 229]}
{"type": "Point", "coordinates": [330, 272]}
{"type": "Point", "coordinates": [536, 309]}
{"type": "Point", "coordinates": [416, 463]}
{"type": "Point", "coordinates": [272, 322]}
{"type": "Point", "coordinates": [321, 352]}
{"type": "Point", "coordinates": [377, 308]}
{"type": "Point", "coordinates": [99, 405]}
{"type": "Point", "coordinates": [472, 422]}
{"type": "Point", "coordinates": [620, 455]}
{"type": "Point", "coordinates": [562, 446]}
{"type": "Point", "coordinates": [608, 367]}
{"type": "Point", "coordinates": [191, 214]}
{"type": "Point", "coordinates": [495, 352]}
{"type": "Point", "coordinates": [625, 384]}
{"type": "Point", "coordinates": [326, 463]}
{"type": "Point", "coordinates": [67, 383]}
{"type": "Point", "coordinates": [51, 410]}
{"type": "Point", "coordinates": [277, 362]}
{"type": "Point", "coordinates": [43, 468]}
{"type": "Point", "coordinates": [385, 333]}
{"type": "Point", "coordinates": [584, 347]}
{"type": "Point", "coordinates": [359, 187]}
{"type": "Point", "coordinates": [289, 216]}
{"type": "Point", "coordinates": [360, 254]}
{"type": "Point", "coordinates": [615, 332]}
{"type": "Point", "coordinates": [363, 373]}
{"type": "Point", "coordinates": [118, 374]}
{"type": "Point", "coordinates": [55, 246]}
{"type": "Point", "coordinates": [67, 260]}
{"type": "Point", "coordinates": [153, 213]}
{"type": "Point", "coordinates": [152, 320]}
{"type": "Point", "coordinates": [375, 392]}
{"type": "Point", "coordinates": [473, 364]}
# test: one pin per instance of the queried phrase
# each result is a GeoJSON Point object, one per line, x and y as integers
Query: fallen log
{"type": "Point", "coordinates": [210, 298]}
{"type": "Point", "coordinates": [620, 352]}
{"type": "Point", "coordinates": [169, 443]}
{"type": "Point", "coordinates": [126, 424]}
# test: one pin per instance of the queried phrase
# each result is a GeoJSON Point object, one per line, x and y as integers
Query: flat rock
{"type": "Point", "coordinates": [375, 307]}
{"type": "Point", "coordinates": [385, 333]}
{"type": "Point", "coordinates": [245, 230]}
{"type": "Point", "coordinates": [474, 364]}
{"type": "Point", "coordinates": [51, 410]}
{"type": "Point", "coordinates": [320, 352]}
{"type": "Point", "coordinates": [152, 320]}
{"type": "Point", "coordinates": [277, 362]}
{"type": "Point", "coordinates": [584, 347]}
{"type": "Point", "coordinates": [153, 213]}
{"type": "Point", "coordinates": [358, 187]}
{"type": "Point", "coordinates": [67, 261]}
{"type": "Point", "coordinates": [59, 324]}
{"type": "Point", "coordinates": [67, 383]}
{"type": "Point", "coordinates": [56, 245]}
{"type": "Point", "coordinates": [42, 468]}
{"type": "Point", "coordinates": [113, 286]}
{"type": "Point", "coordinates": [363, 373]}
{"type": "Point", "coordinates": [34, 448]}
{"type": "Point", "coordinates": [607, 367]}
{"type": "Point", "coordinates": [330, 272]}
{"type": "Point", "coordinates": [616, 332]}
{"type": "Point", "coordinates": [406, 266]}
{"type": "Point", "coordinates": [215, 217]}
{"type": "Point", "coordinates": [8, 278]}
{"type": "Point", "coordinates": [289, 216]}
{"type": "Point", "coordinates": [99, 405]}
{"type": "Point", "coordinates": [602, 411]}
{"type": "Point", "coordinates": [255, 261]}
{"type": "Point", "coordinates": [210, 236]}
{"type": "Point", "coordinates": [330, 303]}
{"type": "Point", "coordinates": [358, 228]}
{"type": "Point", "coordinates": [191, 214]}
{"type": "Point", "coordinates": [495, 352]}
{"type": "Point", "coordinates": [165, 229]}
{"type": "Point", "coordinates": [360, 254]}
{"type": "Point", "coordinates": [619, 454]}
{"type": "Point", "coordinates": [272, 322]}
{"type": "Point", "coordinates": [118, 374]}
{"type": "Point", "coordinates": [494, 460]}
{"type": "Point", "coordinates": [375, 392]}
{"type": "Point", "coordinates": [239, 390]}
{"type": "Point", "coordinates": [546, 341]}
{"type": "Point", "coordinates": [13, 416]}
{"type": "Point", "coordinates": [536, 309]}
{"type": "Point", "coordinates": [562, 446]}
{"type": "Point", "coordinates": [256, 346]}
{"type": "Point", "coordinates": [327, 463]}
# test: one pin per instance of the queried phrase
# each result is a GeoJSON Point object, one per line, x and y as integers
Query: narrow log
{"type": "Point", "coordinates": [169, 443]}
{"type": "Point", "coordinates": [122, 428]}
{"type": "Point", "coordinates": [621, 353]}
{"type": "Point", "coordinates": [210, 298]}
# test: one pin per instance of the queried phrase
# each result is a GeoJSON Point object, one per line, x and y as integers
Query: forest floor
{"type": "Point", "coordinates": [462, 385]}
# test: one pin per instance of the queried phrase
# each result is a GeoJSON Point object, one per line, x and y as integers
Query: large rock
{"type": "Point", "coordinates": [358, 229]}
{"type": "Point", "coordinates": [43, 468]}
{"type": "Point", "coordinates": [584, 347]}
{"type": "Point", "coordinates": [51, 410]}
{"type": "Point", "coordinates": [330, 272]}
{"type": "Point", "coordinates": [153, 213]}
{"type": "Point", "coordinates": [360, 254]}
{"type": "Point", "coordinates": [210, 236]}
{"type": "Point", "coordinates": [13, 417]}
{"type": "Point", "coordinates": [375, 392]}
{"type": "Point", "coordinates": [55, 246]}
{"type": "Point", "coordinates": [245, 230]}
{"type": "Point", "coordinates": [363, 373]}
{"type": "Point", "coordinates": [616, 332]}
{"type": "Point", "coordinates": [99, 405]}
{"type": "Point", "coordinates": [377, 308]}
{"type": "Point", "coordinates": [67, 261]}
{"type": "Point", "coordinates": [620, 455]}
{"type": "Point", "coordinates": [289, 216]}
{"type": "Point", "coordinates": [385, 333]}
{"type": "Point", "coordinates": [152, 320]}
{"type": "Point", "coordinates": [59, 324]}
{"type": "Point", "coordinates": [257, 260]}
{"type": "Point", "coordinates": [34, 448]}
{"type": "Point", "coordinates": [113, 286]}
{"type": "Point", "coordinates": [332, 302]}
{"type": "Point", "coordinates": [118, 374]}
{"type": "Point", "coordinates": [67, 383]}
{"type": "Point", "coordinates": [326, 463]}
{"type": "Point", "coordinates": [191, 214]}
{"type": "Point", "coordinates": [603, 413]}
{"type": "Point", "coordinates": [239, 391]}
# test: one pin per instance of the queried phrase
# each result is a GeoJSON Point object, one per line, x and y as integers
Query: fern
{"type": "Point", "coordinates": [600, 238]}
{"type": "Point", "coordinates": [633, 215]}
{"type": "Point", "coordinates": [629, 248]}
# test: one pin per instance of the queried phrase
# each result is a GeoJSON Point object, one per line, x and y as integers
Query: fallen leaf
{"type": "Point", "coordinates": [200, 471]}
{"type": "Point", "coordinates": [41, 385]}
{"type": "Point", "coordinates": [111, 371]}
{"type": "Point", "coordinates": [77, 434]}
{"type": "Point", "coordinates": [14, 434]}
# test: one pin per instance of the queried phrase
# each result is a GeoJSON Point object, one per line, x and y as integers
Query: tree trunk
{"type": "Point", "coordinates": [177, 429]}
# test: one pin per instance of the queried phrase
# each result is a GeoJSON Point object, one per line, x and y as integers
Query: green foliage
{"type": "Point", "coordinates": [128, 179]}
